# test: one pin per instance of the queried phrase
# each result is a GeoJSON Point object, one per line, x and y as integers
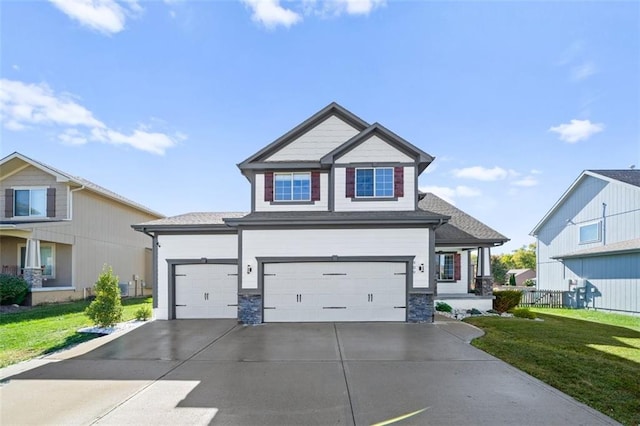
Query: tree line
{"type": "Point", "coordinates": [522, 258]}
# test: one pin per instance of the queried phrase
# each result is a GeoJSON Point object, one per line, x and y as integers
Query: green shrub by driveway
{"type": "Point", "coordinates": [597, 363]}
{"type": "Point", "coordinates": [13, 290]}
{"type": "Point", "coordinates": [506, 300]}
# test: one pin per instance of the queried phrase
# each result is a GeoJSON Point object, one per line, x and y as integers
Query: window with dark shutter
{"type": "Point", "coordinates": [315, 186]}
{"type": "Point", "coordinates": [350, 182]}
{"type": "Point", "coordinates": [8, 202]}
{"type": "Point", "coordinates": [456, 267]}
{"type": "Point", "coordinates": [51, 202]}
{"type": "Point", "coordinates": [268, 186]}
{"type": "Point", "coordinates": [398, 181]}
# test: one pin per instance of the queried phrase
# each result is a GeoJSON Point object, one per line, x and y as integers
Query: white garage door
{"type": "Point", "coordinates": [206, 291]}
{"type": "Point", "coordinates": [334, 291]}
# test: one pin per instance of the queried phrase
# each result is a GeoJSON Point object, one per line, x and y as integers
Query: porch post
{"type": "Point", "coordinates": [484, 280]}
{"type": "Point", "coordinates": [33, 264]}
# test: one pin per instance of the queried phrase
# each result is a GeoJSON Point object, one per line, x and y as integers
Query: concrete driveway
{"type": "Point", "coordinates": [218, 372]}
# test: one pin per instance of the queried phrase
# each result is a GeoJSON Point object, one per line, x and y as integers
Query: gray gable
{"type": "Point", "coordinates": [630, 176]}
{"type": "Point", "coordinates": [461, 228]}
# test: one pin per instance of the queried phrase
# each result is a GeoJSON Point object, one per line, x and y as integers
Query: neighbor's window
{"type": "Point", "coordinates": [292, 187]}
{"type": "Point", "coordinates": [590, 233]}
{"type": "Point", "coordinates": [444, 266]}
{"type": "Point", "coordinates": [374, 182]}
{"type": "Point", "coordinates": [30, 202]}
{"type": "Point", "coordinates": [47, 258]}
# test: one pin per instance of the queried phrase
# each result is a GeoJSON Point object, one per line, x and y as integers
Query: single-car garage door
{"type": "Point", "coordinates": [206, 291]}
{"type": "Point", "coordinates": [334, 291]}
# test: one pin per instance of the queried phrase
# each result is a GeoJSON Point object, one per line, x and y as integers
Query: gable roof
{"type": "Point", "coordinates": [333, 109]}
{"type": "Point", "coordinates": [462, 228]}
{"type": "Point", "coordinates": [422, 158]}
{"type": "Point", "coordinates": [15, 162]}
{"type": "Point", "coordinates": [625, 177]}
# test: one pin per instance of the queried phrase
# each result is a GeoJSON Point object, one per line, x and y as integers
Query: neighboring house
{"type": "Point", "coordinates": [335, 233]}
{"type": "Point", "coordinates": [458, 284]}
{"type": "Point", "coordinates": [589, 242]}
{"type": "Point", "coordinates": [521, 275]}
{"type": "Point", "coordinates": [58, 231]}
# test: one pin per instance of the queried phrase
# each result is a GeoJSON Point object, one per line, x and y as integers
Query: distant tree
{"type": "Point", "coordinates": [522, 258]}
{"type": "Point", "coordinates": [498, 269]}
{"type": "Point", "coordinates": [512, 279]}
{"type": "Point", "coordinates": [525, 257]}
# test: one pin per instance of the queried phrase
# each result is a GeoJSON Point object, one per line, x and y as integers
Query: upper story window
{"type": "Point", "coordinates": [30, 202]}
{"type": "Point", "coordinates": [590, 233]}
{"type": "Point", "coordinates": [374, 182]}
{"type": "Point", "coordinates": [292, 187]}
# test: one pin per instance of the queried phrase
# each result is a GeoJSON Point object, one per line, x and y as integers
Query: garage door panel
{"type": "Point", "coordinates": [335, 291]}
{"type": "Point", "coordinates": [206, 291]}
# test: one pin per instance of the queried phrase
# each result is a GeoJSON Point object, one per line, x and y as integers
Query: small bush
{"type": "Point", "coordinates": [529, 283]}
{"type": "Point", "coordinates": [474, 311]}
{"type": "Point", "coordinates": [443, 307]}
{"type": "Point", "coordinates": [524, 313]}
{"type": "Point", "coordinates": [512, 280]}
{"type": "Point", "coordinates": [106, 309]}
{"type": "Point", "coordinates": [506, 300]}
{"type": "Point", "coordinates": [13, 290]}
{"type": "Point", "coordinates": [143, 313]}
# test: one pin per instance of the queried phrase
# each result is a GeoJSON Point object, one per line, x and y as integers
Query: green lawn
{"type": "Point", "coordinates": [592, 356]}
{"type": "Point", "coordinates": [44, 329]}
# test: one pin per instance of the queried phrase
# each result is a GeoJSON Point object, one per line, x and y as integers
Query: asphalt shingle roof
{"type": "Point", "coordinates": [194, 218]}
{"type": "Point", "coordinates": [620, 247]}
{"type": "Point", "coordinates": [630, 176]}
{"type": "Point", "coordinates": [462, 227]}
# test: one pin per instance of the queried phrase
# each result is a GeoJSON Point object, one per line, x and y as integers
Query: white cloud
{"type": "Point", "coordinates": [577, 130]}
{"type": "Point", "coordinates": [583, 71]}
{"type": "Point", "coordinates": [271, 14]}
{"type": "Point", "coordinates": [26, 105]}
{"type": "Point", "coordinates": [355, 7]}
{"type": "Point", "coordinates": [450, 194]}
{"type": "Point", "coordinates": [483, 173]}
{"type": "Point", "coordinates": [15, 67]}
{"type": "Point", "coordinates": [105, 16]}
{"type": "Point", "coordinates": [527, 181]}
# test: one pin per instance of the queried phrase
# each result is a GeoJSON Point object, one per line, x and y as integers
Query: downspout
{"type": "Point", "coordinates": [154, 266]}
{"type": "Point", "coordinates": [604, 224]}
{"type": "Point", "coordinates": [73, 247]}
{"type": "Point", "coordinates": [70, 215]}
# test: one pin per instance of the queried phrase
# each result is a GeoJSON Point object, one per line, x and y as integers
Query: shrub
{"type": "Point", "coordinates": [12, 289]}
{"type": "Point", "coordinates": [524, 313]}
{"type": "Point", "coordinates": [529, 283]}
{"type": "Point", "coordinates": [506, 300]}
{"type": "Point", "coordinates": [474, 311]}
{"type": "Point", "coordinates": [143, 313]}
{"type": "Point", "coordinates": [512, 280]}
{"type": "Point", "coordinates": [106, 309]}
{"type": "Point", "coordinates": [443, 307]}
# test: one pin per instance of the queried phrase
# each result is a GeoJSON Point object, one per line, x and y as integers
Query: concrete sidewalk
{"type": "Point", "coordinates": [217, 372]}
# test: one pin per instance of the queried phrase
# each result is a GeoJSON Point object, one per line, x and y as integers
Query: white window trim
{"type": "Point", "coordinates": [53, 258]}
{"type": "Point", "coordinates": [355, 183]}
{"type": "Point", "coordinates": [598, 239]}
{"type": "Point", "coordinates": [29, 188]}
{"type": "Point", "coordinates": [291, 174]}
{"type": "Point", "coordinates": [453, 262]}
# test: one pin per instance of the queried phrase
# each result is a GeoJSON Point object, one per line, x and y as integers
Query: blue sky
{"type": "Point", "coordinates": [159, 101]}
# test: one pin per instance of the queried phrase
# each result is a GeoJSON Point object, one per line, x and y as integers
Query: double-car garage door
{"type": "Point", "coordinates": [334, 291]}
{"type": "Point", "coordinates": [298, 291]}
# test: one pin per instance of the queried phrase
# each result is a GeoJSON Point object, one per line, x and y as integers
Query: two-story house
{"type": "Point", "coordinates": [335, 233]}
{"type": "Point", "coordinates": [589, 242]}
{"type": "Point", "coordinates": [58, 231]}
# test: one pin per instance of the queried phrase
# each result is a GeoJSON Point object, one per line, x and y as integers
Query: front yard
{"type": "Point", "coordinates": [592, 356]}
{"type": "Point", "coordinates": [43, 329]}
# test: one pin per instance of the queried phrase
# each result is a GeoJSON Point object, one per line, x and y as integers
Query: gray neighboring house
{"type": "Point", "coordinates": [589, 242]}
{"type": "Point", "coordinates": [521, 275]}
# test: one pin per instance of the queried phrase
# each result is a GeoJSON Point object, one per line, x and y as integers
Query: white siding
{"type": "Point", "coordinates": [462, 285]}
{"type": "Point", "coordinates": [405, 203]}
{"type": "Point", "coordinates": [338, 242]}
{"type": "Point", "coordinates": [188, 247]}
{"type": "Point", "coordinates": [374, 149]}
{"type": "Point", "coordinates": [317, 142]}
{"type": "Point", "coordinates": [264, 206]}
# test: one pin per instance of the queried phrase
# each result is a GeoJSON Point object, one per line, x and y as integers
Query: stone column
{"type": "Point", "coordinates": [33, 264]}
{"type": "Point", "coordinates": [484, 280]}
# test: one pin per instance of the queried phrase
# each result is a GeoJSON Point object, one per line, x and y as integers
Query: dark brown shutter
{"type": "Point", "coordinates": [315, 186]}
{"type": "Point", "coordinates": [8, 202]}
{"type": "Point", "coordinates": [350, 190]}
{"type": "Point", "coordinates": [398, 181]}
{"type": "Point", "coordinates": [268, 186]}
{"type": "Point", "coordinates": [51, 202]}
{"type": "Point", "coordinates": [456, 267]}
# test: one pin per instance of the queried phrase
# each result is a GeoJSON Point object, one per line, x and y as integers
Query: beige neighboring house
{"type": "Point", "coordinates": [58, 231]}
{"type": "Point", "coordinates": [521, 275]}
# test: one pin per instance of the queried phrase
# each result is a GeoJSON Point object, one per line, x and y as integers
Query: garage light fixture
{"type": "Point", "coordinates": [248, 269]}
